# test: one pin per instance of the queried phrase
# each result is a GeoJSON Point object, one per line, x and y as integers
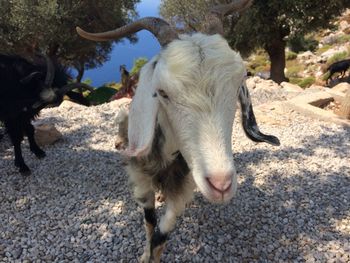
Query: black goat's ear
{"type": "Point", "coordinates": [31, 76]}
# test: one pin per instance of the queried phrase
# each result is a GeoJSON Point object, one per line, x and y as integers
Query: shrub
{"type": "Point", "coordinates": [293, 68]}
{"type": "Point", "coordinates": [307, 82]}
{"type": "Point", "coordinates": [259, 62]}
{"type": "Point", "coordinates": [323, 49]}
{"type": "Point", "coordinates": [343, 39]}
{"type": "Point", "coordinates": [337, 57]}
{"type": "Point", "coordinates": [101, 95]}
{"type": "Point", "coordinates": [291, 55]}
{"type": "Point", "coordinates": [300, 43]}
{"type": "Point", "coordinates": [138, 64]}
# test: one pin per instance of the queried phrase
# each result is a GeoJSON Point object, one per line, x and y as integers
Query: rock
{"type": "Point", "coordinates": [315, 87]}
{"type": "Point", "coordinates": [267, 85]}
{"type": "Point", "coordinates": [331, 38]}
{"type": "Point", "coordinates": [342, 87]}
{"type": "Point", "coordinates": [291, 87]}
{"type": "Point", "coordinates": [46, 134]}
{"type": "Point", "coordinates": [331, 52]}
{"type": "Point", "coordinates": [306, 55]}
{"type": "Point", "coordinates": [251, 82]}
{"type": "Point", "coordinates": [344, 26]}
{"type": "Point", "coordinates": [67, 104]}
{"type": "Point", "coordinates": [123, 102]}
{"type": "Point", "coordinates": [307, 58]}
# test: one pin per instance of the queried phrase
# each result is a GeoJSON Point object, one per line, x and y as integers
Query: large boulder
{"type": "Point", "coordinates": [342, 87]}
{"type": "Point", "coordinates": [331, 52]}
{"type": "Point", "coordinates": [289, 87]}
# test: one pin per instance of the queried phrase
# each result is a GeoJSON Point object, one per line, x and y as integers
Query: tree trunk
{"type": "Point", "coordinates": [80, 75]}
{"type": "Point", "coordinates": [344, 110]}
{"type": "Point", "coordinates": [80, 68]}
{"type": "Point", "coordinates": [276, 52]}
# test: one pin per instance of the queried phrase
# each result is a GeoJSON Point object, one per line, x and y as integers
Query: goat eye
{"type": "Point", "coordinates": [163, 94]}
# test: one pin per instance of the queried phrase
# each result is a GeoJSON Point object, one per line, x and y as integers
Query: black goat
{"type": "Point", "coordinates": [340, 67]}
{"type": "Point", "coordinates": [25, 89]}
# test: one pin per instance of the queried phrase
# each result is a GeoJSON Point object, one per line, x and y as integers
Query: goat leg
{"type": "Point", "coordinates": [29, 129]}
{"type": "Point", "coordinates": [150, 222]}
{"type": "Point", "coordinates": [175, 205]}
{"type": "Point", "coordinates": [16, 136]}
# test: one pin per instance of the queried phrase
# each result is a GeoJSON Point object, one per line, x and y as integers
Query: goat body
{"type": "Point", "coordinates": [23, 93]}
{"type": "Point", "coordinates": [179, 128]}
{"type": "Point", "coordinates": [340, 67]}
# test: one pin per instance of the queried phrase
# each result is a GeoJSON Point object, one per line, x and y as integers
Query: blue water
{"type": "Point", "coordinates": [125, 52]}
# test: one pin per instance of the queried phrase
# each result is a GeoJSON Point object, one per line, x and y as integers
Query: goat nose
{"type": "Point", "coordinates": [220, 183]}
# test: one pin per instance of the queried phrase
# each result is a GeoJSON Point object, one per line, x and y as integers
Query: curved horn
{"type": "Point", "coordinates": [216, 14]}
{"type": "Point", "coordinates": [50, 72]}
{"type": "Point", "coordinates": [158, 27]}
{"type": "Point", "coordinates": [71, 86]}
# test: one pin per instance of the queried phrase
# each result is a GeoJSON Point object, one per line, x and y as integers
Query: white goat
{"type": "Point", "coordinates": [180, 123]}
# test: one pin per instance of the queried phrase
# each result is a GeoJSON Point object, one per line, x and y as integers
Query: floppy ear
{"type": "Point", "coordinates": [143, 114]}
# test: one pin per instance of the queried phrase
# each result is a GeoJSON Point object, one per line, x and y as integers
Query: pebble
{"type": "Point", "coordinates": [292, 202]}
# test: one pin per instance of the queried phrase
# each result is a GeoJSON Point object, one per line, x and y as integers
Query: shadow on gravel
{"type": "Point", "coordinates": [71, 206]}
{"type": "Point", "coordinates": [297, 208]}
{"type": "Point", "coordinates": [76, 209]}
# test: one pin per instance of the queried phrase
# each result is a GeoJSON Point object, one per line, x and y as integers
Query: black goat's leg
{"type": "Point", "coordinates": [150, 222]}
{"type": "Point", "coordinates": [29, 129]}
{"type": "Point", "coordinates": [16, 135]}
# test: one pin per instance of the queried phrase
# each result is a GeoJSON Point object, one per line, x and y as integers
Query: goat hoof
{"type": "Point", "coordinates": [39, 153]}
{"type": "Point", "coordinates": [25, 171]}
{"type": "Point", "coordinates": [145, 258]}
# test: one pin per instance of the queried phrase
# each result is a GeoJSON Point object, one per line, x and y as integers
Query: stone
{"type": "Point", "coordinates": [341, 87]}
{"type": "Point", "coordinates": [344, 25]}
{"type": "Point", "coordinates": [315, 87]}
{"type": "Point", "coordinates": [331, 52]}
{"type": "Point", "coordinates": [46, 134]}
{"type": "Point", "coordinates": [291, 87]}
{"type": "Point", "coordinates": [67, 104]}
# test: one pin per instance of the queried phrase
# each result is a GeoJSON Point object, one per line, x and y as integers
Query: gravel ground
{"type": "Point", "coordinates": [293, 202]}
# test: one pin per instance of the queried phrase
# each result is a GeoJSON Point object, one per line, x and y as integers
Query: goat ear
{"type": "Point", "coordinates": [143, 114]}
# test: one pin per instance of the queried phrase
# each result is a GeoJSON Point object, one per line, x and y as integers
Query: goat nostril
{"type": "Point", "coordinates": [221, 184]}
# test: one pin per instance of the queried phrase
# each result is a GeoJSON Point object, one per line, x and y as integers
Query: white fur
{"type": "Point", "coordinates": [143, 113]}
{"type": "Point", "coordinates": [201, 75]}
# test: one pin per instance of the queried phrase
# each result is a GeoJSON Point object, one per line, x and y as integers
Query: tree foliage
{"type": "Point", "coordinates": [267, 23]}
{"type": "Point", "coordinates": [49, 25]}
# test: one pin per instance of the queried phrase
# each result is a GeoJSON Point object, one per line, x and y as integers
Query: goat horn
{"type": "Point", "coordinates": [50, 73]}
{"type": "Point", "coordinates": [72, 86]}
{"type": "Point", "coordinates": [158, 27]}
{"type": "Point", "coordinates": [216, 14]}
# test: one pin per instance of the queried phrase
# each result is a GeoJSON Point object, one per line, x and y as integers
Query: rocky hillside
{"type": "Point", "coordinates": [305, 68]}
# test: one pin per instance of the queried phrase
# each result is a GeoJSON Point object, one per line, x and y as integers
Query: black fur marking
{"type": "Point", "coordinates": [154, 64]}
{"type": "Point", "coordinates": [158, 239]}
{"type": "Point", "coordinates": [150, 216]}
{"type": "Point", "coordinates": [250, 126]}
{"type": "Point", "coordinates": [170, 178]}
{"type": "Point", "coordinates": [142, 200]}
{"type": "Point", "coordinates": [175, 153]}
{"type": "Point", "coordinates": [152, 163]}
